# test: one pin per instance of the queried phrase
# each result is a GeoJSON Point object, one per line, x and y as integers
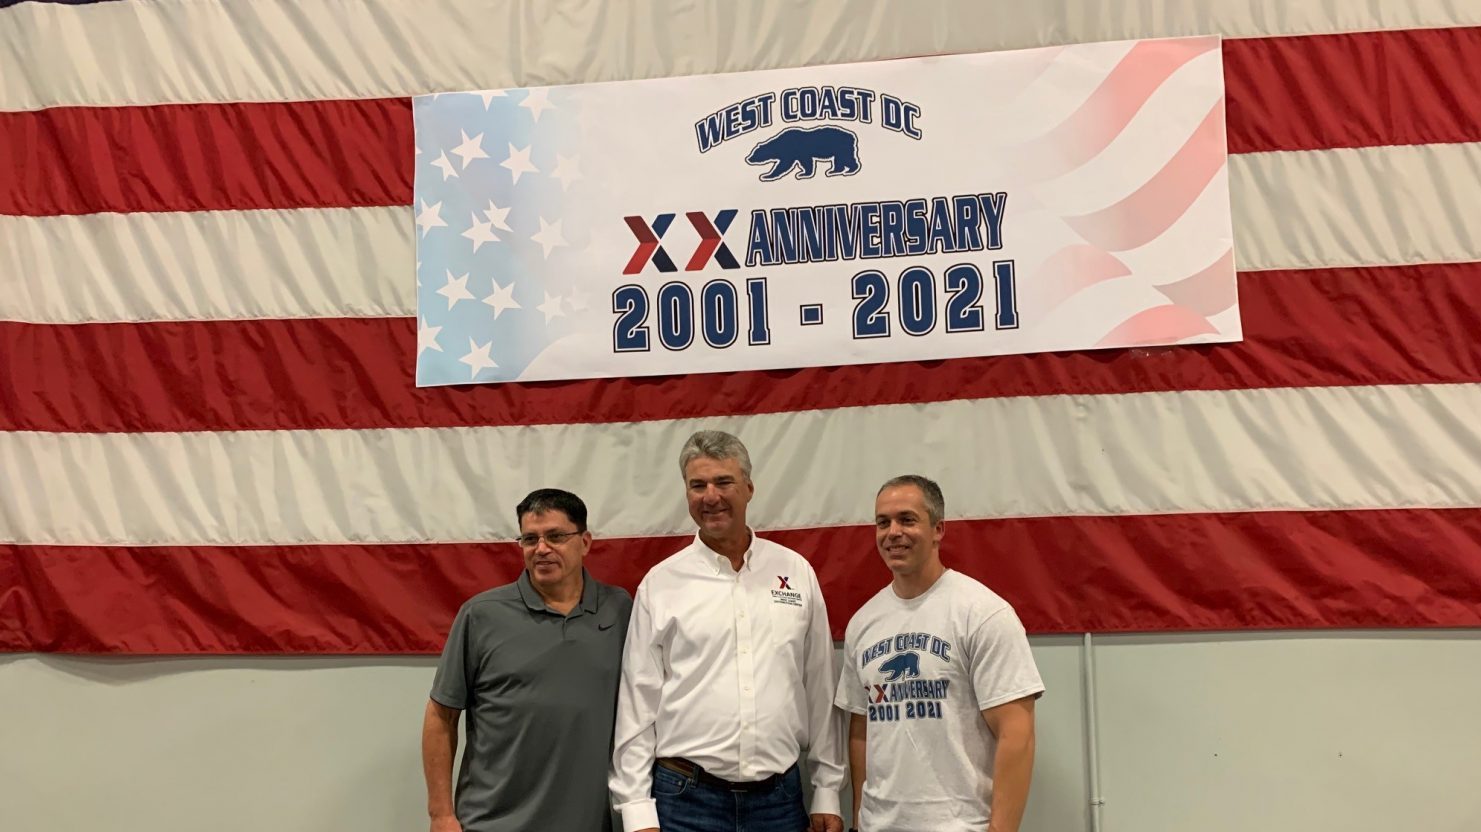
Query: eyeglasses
{"type": "Point", "coordinates": [553, 539]}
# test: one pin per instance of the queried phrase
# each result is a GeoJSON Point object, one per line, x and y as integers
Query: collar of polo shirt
{"type": "Point", "coordinates": [536, 603]}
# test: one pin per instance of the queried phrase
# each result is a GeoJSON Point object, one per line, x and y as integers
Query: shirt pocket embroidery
{"type": "Point", "coordinates": [788, 612]}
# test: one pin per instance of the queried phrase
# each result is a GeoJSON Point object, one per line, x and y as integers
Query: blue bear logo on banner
{"type": "Point", "coordinates": [801, 148]}
{"type": "Point", "coordinates": [902, 664]}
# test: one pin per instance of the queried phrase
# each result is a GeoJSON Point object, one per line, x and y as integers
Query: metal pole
{"type": "Point", "coordinates": [1092, 758]}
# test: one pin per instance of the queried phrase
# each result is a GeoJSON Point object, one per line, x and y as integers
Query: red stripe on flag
{"type": "Point", "coordinates": [1298, 570]}
{"type": "Point", "coordinates": [1364, 89]}
{"type": "Point", "coordinates": [1356, 90]}
{"type": "Point", "coordinates": [1323, 327]}
{"type": "Point", "coordinates": [203, 157]}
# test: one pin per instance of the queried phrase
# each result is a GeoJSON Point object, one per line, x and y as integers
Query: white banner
{"type": "Point", "coordinates": [1050, 199]}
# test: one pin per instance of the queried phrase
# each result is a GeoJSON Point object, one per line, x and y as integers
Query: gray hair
{"type": "Point", "coordinates": [935, 500]}
{"type": "Point", "coordinates": [714, 444]}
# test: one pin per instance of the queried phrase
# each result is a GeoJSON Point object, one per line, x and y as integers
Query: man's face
{"type": "Point", "coordinates": [552, 563]}
{"type": "Point", "coordinates": [718, 495]}
{"type": "Point", "coordinates": [903, 531]}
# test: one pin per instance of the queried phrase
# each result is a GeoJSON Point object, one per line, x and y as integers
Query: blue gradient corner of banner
{"type": "Point", "coordinates": [491, 189]}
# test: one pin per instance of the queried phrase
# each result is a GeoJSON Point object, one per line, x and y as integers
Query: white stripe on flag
{"type": "Point", "coordinates": [1374, 205]}
{"type": "Point", "coordinates": [209, 265]}
{"type": "Point", "coordinates": [177, 51]}
{"type": "Point", "coordinates": [1244, 450]}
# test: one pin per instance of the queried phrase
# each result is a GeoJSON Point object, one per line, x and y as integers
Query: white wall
{"type": "Point", "coordinates": [1276, 732]}
{"type": "Point", "coordinates": [1348, 731]}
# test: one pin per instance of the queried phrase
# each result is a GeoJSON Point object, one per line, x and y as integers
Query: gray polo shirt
{"type": "Point", "coordinates": [540, 692]}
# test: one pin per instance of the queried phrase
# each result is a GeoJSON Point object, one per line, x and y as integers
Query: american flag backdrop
{"type": "Point", "coordinates": [211, 438]}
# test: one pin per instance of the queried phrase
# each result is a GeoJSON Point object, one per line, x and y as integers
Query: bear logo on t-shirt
{"type": "Point", "coordinates": [901, 664]}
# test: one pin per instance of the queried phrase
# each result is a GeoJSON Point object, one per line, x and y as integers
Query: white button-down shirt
{"type": "Point", "coordinates": [730, 670]}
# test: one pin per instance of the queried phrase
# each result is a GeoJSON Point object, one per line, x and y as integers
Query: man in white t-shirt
{"type": "Point", "coordinates": [940, 685]}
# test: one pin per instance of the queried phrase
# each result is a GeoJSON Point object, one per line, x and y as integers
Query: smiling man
{"type": "Point", "coordinates": [535, 663]}
{"type": "Point", "coordinates": [727, 676]}
{"type": "Point", "coordinates": [939, 684]}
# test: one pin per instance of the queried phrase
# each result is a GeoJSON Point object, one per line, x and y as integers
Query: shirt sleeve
{"type": "Point", "coordinates": [850, 693]}
{"type": "Point", "coordinates": [635, 736]}
{"type": "Point", "coordinates": [825, 751]}
{"type": "Point", "coordinates": [1003, 668]}
{"type": "Point", "coordinates": [450, 685]}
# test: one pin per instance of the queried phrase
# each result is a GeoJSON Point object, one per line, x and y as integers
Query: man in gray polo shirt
{"type": "Point", "coordinates": [536, 665]}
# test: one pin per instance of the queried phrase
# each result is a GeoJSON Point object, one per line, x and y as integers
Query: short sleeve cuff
{"type": "Point", "coordinates": [1003, 699]}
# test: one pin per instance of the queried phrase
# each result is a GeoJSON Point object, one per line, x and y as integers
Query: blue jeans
{"type": "Point", "coordinates": [687, 805]}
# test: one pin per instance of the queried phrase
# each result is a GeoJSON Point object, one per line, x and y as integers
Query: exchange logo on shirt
{"type": "Point", "coordinates": [900, 693]}
{"type": "Point", "coordinates": [785, 594]}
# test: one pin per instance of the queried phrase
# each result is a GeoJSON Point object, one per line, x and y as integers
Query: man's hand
{"type": "Point", "coordinates": [446, 823]}
{"type": "Point", "coordinates": [826, 823]}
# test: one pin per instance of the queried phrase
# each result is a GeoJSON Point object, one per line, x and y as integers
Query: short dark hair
{"type": "Point", "coordinates": [542, 500]}
{"type": "Point", "coordinates": [935, 500]}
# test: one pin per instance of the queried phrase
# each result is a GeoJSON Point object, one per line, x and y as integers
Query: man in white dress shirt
{"type": "Point", "coordinates": [727, 674]}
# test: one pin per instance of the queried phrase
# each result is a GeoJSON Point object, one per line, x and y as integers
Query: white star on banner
{"type": "Point", "coordinates": [480, 233]}
{"type": "Point", "coordinates": [488, 96]}
{"type": "Point", "coordinates": [427, 338]}
{"type": "Point", "coordinates": [478, 358]}
{"type": "Point", "coordinates": [577, 300]}
{"type": "Point", "coordinates": [567, 170]}
{"type": "Point", "coordinates": [518, 162]}
{"type": "Point", "coordinates": [455, 289]}
{"type": "Point", "coordinates": [549, 236]}
{"type": "Point", "coordinates": [430, 217]}
{"type": "Point", "coordinates": [551, 307]}
{"type": "Point", "coordinates": [446, 164]}
{"type": "Point", "coordinates": [502, 299]}
{"type": "Point", "coordinates": [496, 216]}
{"type": "Point", "coordinates": [470, 149]}
{"type": "Point", "coordinates": [537, 101]}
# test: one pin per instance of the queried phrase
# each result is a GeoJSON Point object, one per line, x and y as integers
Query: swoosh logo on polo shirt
{"type": "Point", "coordinates": [606, 626]}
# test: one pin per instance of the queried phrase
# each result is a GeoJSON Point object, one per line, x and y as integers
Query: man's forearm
{"type": "Point", "coordinates": [439, 744]}
{"type": "Point", "coordinates": [1013, 767]}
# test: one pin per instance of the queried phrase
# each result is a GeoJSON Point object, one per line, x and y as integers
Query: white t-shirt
{"type": "Point", "coordinates": [922, 671]}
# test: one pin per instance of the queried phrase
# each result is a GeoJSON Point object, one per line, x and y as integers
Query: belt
{"type": "Point", "coordinates": [697, 772]}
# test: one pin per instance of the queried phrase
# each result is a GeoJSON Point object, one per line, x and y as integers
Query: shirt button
{"type": "Point", "coordinates": [743, 614]}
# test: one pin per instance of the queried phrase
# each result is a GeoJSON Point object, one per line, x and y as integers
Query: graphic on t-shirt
{"type": "Point", "coordinates": [901, 693]}
{"type": "Point", "coordinates": [907, 664]}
